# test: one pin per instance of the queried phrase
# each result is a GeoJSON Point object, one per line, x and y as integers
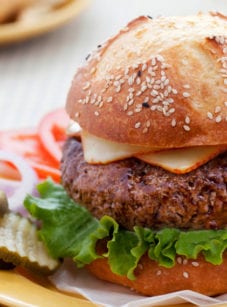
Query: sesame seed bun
{"type": "Point", "coordinates": [152, 279]}
{"type": "Point", "coordinates": [159, 82]}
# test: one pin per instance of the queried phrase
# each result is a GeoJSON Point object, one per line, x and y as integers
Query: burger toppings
{"type": "Point", "coordinates": [69, 230]}
{"type": "Point", "coordinates": [183, 160]}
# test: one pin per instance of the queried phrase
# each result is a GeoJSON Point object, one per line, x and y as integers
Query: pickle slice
{"type": "Point", "coordinates": [20, 245]}
{"type": "Point", "coordinates": [4, 207]}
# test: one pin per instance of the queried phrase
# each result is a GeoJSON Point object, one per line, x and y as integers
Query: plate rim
{"type": "Point", "coordinates": [19, 31]}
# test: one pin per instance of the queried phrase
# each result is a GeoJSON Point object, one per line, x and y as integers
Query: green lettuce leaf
{"type": "Point", "coordinates": [69, 230]}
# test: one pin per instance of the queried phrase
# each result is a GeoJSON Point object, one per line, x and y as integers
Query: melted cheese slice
{"type": "Point", "coordinates": [101, 151]}
{"type": "Point", "coordinates": [183, 160]}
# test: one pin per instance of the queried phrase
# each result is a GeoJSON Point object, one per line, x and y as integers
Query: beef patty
{"type": "Point", "coordinates": [136, 193]}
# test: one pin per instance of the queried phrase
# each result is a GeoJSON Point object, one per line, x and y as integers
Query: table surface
{"type": "Point", "coordinates": [35, 75]}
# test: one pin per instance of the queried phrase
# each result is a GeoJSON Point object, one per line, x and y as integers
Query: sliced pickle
{"type": "Point", "coordinates": [4, 207]}
{"type": "Point", "coordinates": [20, 245]}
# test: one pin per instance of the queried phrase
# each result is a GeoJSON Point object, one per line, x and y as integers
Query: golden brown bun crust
{"type": "Point", "coordinates": [159, 83]}
{"type": "Point", "coordinates": [152, 279]}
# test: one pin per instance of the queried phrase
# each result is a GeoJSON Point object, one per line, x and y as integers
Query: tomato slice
{"type": "Point", "coordinates": [51, 131]}
{"type": "Point", "coordinates": [26, 143]}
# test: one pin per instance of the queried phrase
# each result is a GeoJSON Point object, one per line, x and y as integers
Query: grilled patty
{"type": "Point", "coordinates": [136, 193]}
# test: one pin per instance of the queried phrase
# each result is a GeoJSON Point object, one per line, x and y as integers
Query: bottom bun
{"type": "Point", "coordinates": [152, 279]}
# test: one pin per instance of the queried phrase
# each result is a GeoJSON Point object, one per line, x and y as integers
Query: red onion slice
{"type": "Point", "coordinates": [17, 190]}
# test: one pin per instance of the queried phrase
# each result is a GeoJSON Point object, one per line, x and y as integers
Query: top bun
{"type": "Point", "coordinates": [159, 83]}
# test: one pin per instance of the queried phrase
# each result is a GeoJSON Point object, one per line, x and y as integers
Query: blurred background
{"type": "Point", "coordinates": [35, 74]}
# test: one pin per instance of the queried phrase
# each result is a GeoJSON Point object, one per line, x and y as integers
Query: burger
{"type": "Point", "coordinates": [149, 160]}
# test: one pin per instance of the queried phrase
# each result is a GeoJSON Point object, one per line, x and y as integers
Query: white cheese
{"type": "Point", "coordinates": [183, 160]}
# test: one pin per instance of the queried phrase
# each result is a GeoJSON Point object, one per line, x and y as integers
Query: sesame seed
{"type": "Point", "coordinates": [145, 130]}
{"type": "Point", "coordinates": [96, 113]}
{"type": "Point", "coordinates": [163, 73]}
{"type": "Point", "coordinates": [186, 128]}
{"type": "Point", "coordinates": [153, 61]}
{"type": "Point", "coordinates": [225, 81]}
{"type": "Point", "coordinates": [130, 96]}
{"type": "Point", "coordinates": [100, 104]}
{"type": "Point", "coordinates": [185, 274]}
{"type": "Point", "coordinates": [172, 110]}
{"type": "Point", "coordinates": [138, 80]}
{"type": "Point", "coordinates": [156, 87]}
{"type": "Point", "coordinates": [148, 79]}
{"type": "Point", "coordinates": [138, 93]}
{"type": "Point", "coordinates": [143, 88]}
{"type": "Point", "coordinates": [144, 66]}
{"type": "Point", "coordinates": [186, 94]}
{"type": "Point", "coordinates": [77, 114]}
{"type": "Point", "coordinates": [174, 91]}
{"type": "Point", "coordinates": [163, 78]}
{"type": "Point", "coordinates": [93, 70]}
{"type": "Point", "coordinates": [166, 82]}
{"type": "Point", "coordinates": [154, 93]}
{"type": "Point", "coordinates": [137, 125]}
{"type": "Point", "coordinates": [187, 120]}
{"type": "Point", "coordinates": [173, 122]}
{"type": "Point", "coordinates": [130, 102]}
{"type": "Point", "coordinates": [148, 123]}
{"type": "Point", "coordinates": [125, 107]}
{"type": "Point", "coordinates": [160, 58]}
{"type": "Point", "coordinates": [169, 89]}
{"type": "Point", "coordinates": [225, 103]}
{"type": "Point", "coordinates": [126, 71]}
{"type": "Point", "coordinates": [109, 99]}
{"type": "Point", "coordinates": [150, 71]}
{"type": "Point", "coordinates": [210, 115]}
{"type": "Point", "coordinates": [139, 105]}
{"type": "Point", "coordinates": [186, 86]}
{"type": "Point", "coordinates": [156, 100]}
{"type": "Point", "coordinates": [179, 260]}
{"type": "Point", "coordinates": [118, 88]}
{"type": "Point", "coordinates": [218, 119]}
{"type": "Point", "coordinates": [130, 113]}
{"type": "Point", "coordinates": [159, 272]}
{"type": "Point", "coordinates": [195, 263]}
{"type": "Point", "coordinates": [86, 86]}
{"type": "Point", "coordinates": [166, 93]}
